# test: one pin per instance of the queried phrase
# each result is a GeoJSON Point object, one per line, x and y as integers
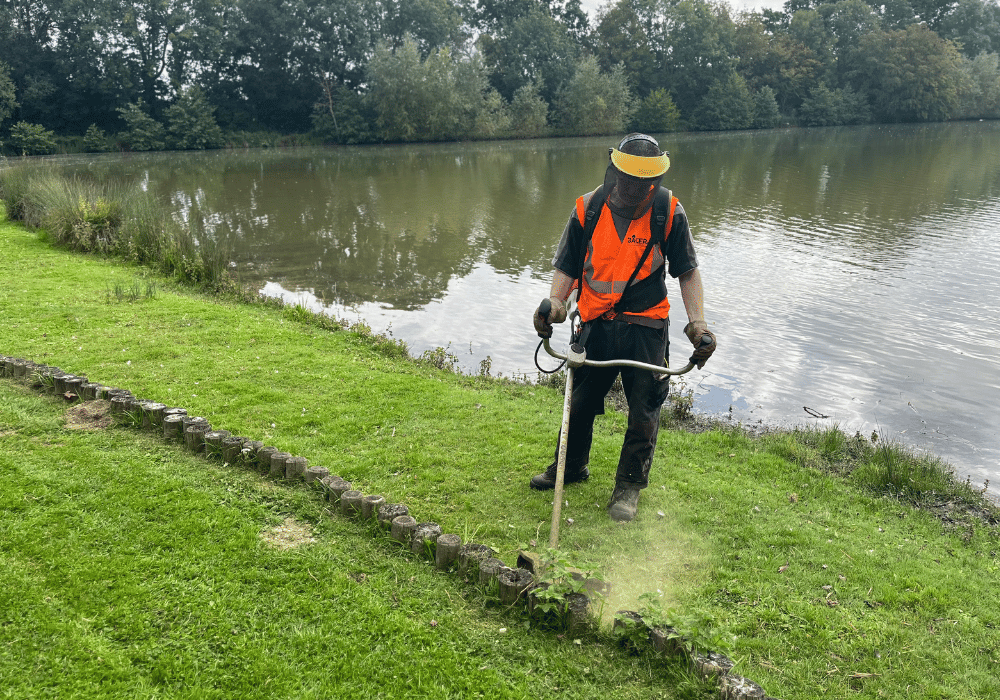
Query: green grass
{"type": "Point", "coordinates": [135, 567]}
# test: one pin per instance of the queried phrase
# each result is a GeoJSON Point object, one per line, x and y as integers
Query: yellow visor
{"type": "Point", "coordinates": [640, 166]}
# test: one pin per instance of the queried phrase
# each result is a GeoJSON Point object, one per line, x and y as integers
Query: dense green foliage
{"type": "Point", "coordinates": [355, 71]}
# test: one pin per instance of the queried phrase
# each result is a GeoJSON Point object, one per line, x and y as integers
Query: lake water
{"type": "Point", "coordinates": [850, 273]}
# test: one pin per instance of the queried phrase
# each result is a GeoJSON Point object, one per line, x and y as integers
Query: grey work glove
{"type": "Point", "coordinates": [556, 313]}
{"type": "Point", "coordinates": [696, 331]}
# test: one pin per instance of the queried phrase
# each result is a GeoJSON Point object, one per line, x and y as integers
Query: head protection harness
{"type": "Point", "coordinates": [632, 180]}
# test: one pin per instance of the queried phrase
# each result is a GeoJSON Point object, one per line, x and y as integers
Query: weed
{"type": "Point", "coordinates": [696, 631]}
{"type": "Point", "coordinates": [441, 358]}
{"type": "Point", "coordinates": [558, 583]}
{"type": "Point", "coordinates": [681, 400]}
{"type": "Point", "coordinates": [130, 294]}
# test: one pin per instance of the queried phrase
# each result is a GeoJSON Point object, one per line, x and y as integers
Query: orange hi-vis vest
{"type": "Point", "coordinates": [610, 262]}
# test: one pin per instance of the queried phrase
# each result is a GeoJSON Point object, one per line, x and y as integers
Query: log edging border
{"type": "Point", "coordinates": [513, 586]}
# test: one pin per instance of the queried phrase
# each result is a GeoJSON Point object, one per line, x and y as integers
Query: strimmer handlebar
{"type": "Point", "coordinates": [578, 359]}
{"type": "Point", "coordinates": [577, 356]}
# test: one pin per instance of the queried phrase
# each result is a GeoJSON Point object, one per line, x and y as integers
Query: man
{"type": "Point", "coordinates": [617, 247]}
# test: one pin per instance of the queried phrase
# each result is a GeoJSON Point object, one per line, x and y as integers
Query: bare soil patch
{"type": "Point", "coordinates": [90, 415]}
{"type": "Point", "coordinates": [289, 535]}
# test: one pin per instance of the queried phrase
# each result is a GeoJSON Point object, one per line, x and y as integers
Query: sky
{"type": "Point", "coordinates": [590, 6]}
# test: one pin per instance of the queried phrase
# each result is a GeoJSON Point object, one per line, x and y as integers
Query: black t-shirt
{"type": "Point", "coordinates": [678, 249]}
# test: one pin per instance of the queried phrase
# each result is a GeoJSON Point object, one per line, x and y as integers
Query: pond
{"type": "Point", "coordinates": [851, 274]}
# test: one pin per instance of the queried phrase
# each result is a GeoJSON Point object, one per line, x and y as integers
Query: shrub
{"type": "Point", "coordinates": [95, 140]}
{"type": "Point", "coordinates": [657, 113]}
{"type": "Point", "coordinates": [765, 109]}
{"type": "Point", "coordinates": [191, 122]}
{"type": "Point", "coordinates": [592, 102]}
{"type": "Point", "coordinates": [727, 105]}
{"type": "Point", "coordinates": [826, 107]}
{"type": "Point", "coordinates": [528, 111]}
{"type": "Point", "coordinates": [32, 139]}
{"type": "Point", "coordinates": [143, 133]}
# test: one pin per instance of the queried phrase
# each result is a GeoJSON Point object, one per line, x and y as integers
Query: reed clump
{"type": "Point", "coordinates": [112, 220]}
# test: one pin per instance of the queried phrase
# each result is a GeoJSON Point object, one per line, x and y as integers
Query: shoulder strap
{"type": "Point", "coordinates": [589, 223]}
{"type": "Point", "coordinates": [657, 234]}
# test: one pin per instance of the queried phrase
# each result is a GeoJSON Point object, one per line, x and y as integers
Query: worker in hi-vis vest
{"type": "Point", "coordinates": [620, 242]}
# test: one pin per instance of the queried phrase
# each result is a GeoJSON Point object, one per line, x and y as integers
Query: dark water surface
{"type": "Point", "coordinates": [852, 272]}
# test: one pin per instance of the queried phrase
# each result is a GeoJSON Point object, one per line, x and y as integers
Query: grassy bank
{"type": "Point", "coordinates": [133, 565]}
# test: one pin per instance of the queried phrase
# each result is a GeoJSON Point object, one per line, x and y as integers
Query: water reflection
{"type": "Point", "coordinates": [852, 271]}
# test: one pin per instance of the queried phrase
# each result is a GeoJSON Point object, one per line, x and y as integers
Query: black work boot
{"type": "Point", "coordinates": [624, 502]}
{"type": "Point", "coordinates": [547, 479]}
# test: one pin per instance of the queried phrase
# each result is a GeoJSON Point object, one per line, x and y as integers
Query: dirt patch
{"type": "Point", "coordinates": [90, 415]}
{"type": "Point", "coordinates": [289, 535]}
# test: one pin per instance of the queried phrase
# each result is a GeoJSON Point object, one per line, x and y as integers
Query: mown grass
{"type": "Point", "coordinates": [834, 585]}
{"type": "Point", "coordinates": [132, 569]}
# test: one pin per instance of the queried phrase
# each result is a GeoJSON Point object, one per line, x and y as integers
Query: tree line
{"type": "Point", "coordinates": [186, 74]}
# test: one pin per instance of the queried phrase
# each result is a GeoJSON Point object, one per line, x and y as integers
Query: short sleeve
{"type": "Point", "coordinates": [679, 248]}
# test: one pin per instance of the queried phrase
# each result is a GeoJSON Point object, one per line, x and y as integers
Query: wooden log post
{"type": "Point", "coordinates": [173, 426]}
{"type": "Point", "coordinates": [119, 403]}
{"type": "Point", "coordinates": [712, 664]}
{"type": "Point", "coordinates": [577, 614]}
{"type": "Point", "coordinates": [133, 411]}
{"type": "Point", "coordinates": [424, 538]}
{"type": "Point", "coordinates": [59, 382]}
{"type": "Point", "coordinates": [173, 411]}
{"type": "Point", "coordinates": [471, 555]}
{"type": "Point", "coordinates": [118, 407]}
{"type": "Point", "coordinates": [194, 436]}
{"type": "Point", "coordinates": [213, 443]}
{"type": "Point", "coordinates": [513, 583]}
{"type": "Point", "coordinates": [264, 458]}
{"type": "Point", "coordinates": [733, 687]}
{"type": "Point", "coordinates": [295, 468]}
{"type": "Point", "coordinates": [350, 503]}
{"type": "Point", "coordinates": [316, 474]}
{"type": "Point", "coordinates": [446, 552]}
{"type": "Point", "coordinates": [88, 392]}
{"type": "Point", "coordinates": [337, 488]}
{"type": "Point", "coordinates": [402, 528]}
{"type": "Point", "coordinates": [72, 388]}
{"type": "Point", "coordinates": [152, 415]}
{"type": "Point", "coordinates": [387, 512]}
{"type": "Point", "coordinates": [370, 506]}
{"type": "Point", "coordinates": [489, 572]}
{"type": "Point", "coordinates": [278, 464]}
{"type": "Point", "coordinates": [232, 449]}
{"type": "Point", "coordinates": [666, 641]}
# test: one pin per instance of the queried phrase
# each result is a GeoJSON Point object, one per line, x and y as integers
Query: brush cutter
{"type": "Point", "coordinates": [577, 357]}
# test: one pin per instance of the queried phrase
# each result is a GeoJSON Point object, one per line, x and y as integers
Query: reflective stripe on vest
{"type": "Point", "coordinates": [610, 262]}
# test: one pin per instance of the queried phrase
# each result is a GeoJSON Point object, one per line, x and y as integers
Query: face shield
{"type": "Point", "coordinates": [632, 181]}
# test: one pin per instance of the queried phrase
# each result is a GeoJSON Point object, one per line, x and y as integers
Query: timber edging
{"type": "Point", "coordinates": [514, 586]}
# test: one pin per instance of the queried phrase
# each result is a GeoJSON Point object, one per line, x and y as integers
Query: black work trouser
{"type": "Point", "coordinates": [645, 392]}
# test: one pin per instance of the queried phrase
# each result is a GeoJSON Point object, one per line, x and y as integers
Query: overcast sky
{"type": "Point", "coordinates": [591, 5]}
